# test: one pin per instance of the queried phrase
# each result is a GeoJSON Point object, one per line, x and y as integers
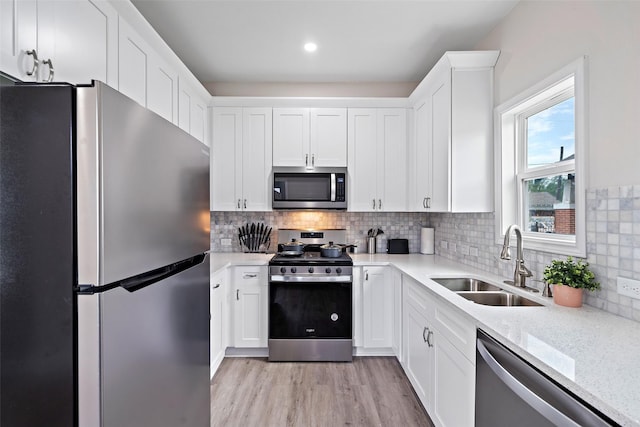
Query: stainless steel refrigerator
{"type": "Point", "coordinates": [104, 269]}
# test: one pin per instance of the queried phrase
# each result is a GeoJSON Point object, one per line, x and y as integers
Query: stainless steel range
{"type": "Point", "coordinates": [310, 300]}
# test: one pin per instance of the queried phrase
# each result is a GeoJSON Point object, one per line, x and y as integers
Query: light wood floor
{"type": "Point", "coordinates": [371, 391]}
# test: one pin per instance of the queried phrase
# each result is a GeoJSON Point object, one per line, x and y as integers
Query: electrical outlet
{"type": "Point", "coordinates": [629, 287]}
{"type": "Point", "coordinates": [225, 242]}
{"type": "Point", "coordinates": [452, 247]}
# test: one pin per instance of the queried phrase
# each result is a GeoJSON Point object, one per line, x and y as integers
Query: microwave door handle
{"type": "Point", "coordinates": [333, 187]}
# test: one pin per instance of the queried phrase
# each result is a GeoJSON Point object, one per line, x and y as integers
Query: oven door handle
{"type": "Point", "coordinates": [333, 279]}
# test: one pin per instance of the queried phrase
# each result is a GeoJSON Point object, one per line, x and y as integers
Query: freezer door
{"type": "Point", "coordinates": [151, 350]}
{"type": "Point", "coordinates": [143, 189]}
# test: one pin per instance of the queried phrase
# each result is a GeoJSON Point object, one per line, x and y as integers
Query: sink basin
{"type": "Point", "coordinates": [457, 284]}
{"type": "Point", "coordinates": [503, 299]}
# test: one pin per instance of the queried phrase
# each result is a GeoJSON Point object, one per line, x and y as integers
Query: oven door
{"type": "Point", "coordinates": [310, 321]}
{"type": "Point", "coordinates": [300, 310]}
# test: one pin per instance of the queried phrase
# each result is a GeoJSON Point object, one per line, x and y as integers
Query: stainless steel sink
{"type": "Point", "coordinates": [457, 284]}
{"type": "Point", "coordinates": [503, 299]}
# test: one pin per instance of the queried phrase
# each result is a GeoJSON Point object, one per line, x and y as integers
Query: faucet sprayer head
{"type": "Point", "coordinates": [505, 254]}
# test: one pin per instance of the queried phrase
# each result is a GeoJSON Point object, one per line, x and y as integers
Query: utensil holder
{"type": "Point", "coordinates": [372, 242]}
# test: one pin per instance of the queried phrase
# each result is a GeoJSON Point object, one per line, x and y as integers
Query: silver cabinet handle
{"type": "Point", "coordinates": [428, 202]}
{"type": "Point", "coordinates": [51, 69]}
{"type": "Point", "coordinates": [541, 406]}
{"type": "Point", "coordinates": [374, 204]}
{"type": "Point", "coordinates": [245, 203]}
{"type": "Point", "coordinates": [238, 203]}
{"type": "Point", "coordinates": [217, 285]}
{"type": "Point", "coordinates": [306, 160]}
{"type": "Point", "coordinates": [33, 53]}
{"type": "Point", "coordinates": [429, 335]}
{"type": "Point", "coordinates": [313, 160]}
{"type": "Point", "coordinates": [366, 275]}
{"type": "Point", "coordinates": [238, 294]}
{"type": "Point", "coordinates": [424, 331]}
{"type": "Point", "coordinates": [249, 275]}
{"type": "Point", "coordinates": [380, 204]}
{"type": "Point", "coordinates": [424, 203]}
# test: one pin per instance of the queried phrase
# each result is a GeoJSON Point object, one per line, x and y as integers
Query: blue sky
{"type": "Point", "coordinates": [550, 129]}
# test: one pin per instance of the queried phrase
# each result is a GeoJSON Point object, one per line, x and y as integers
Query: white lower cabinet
{"type": "Point", "coordinates": [218, 308]}
{"type": "Point", "coordinates": [249, 306]}
{"type": "Point", "coordinates": [438, 359]}
{"type": "Point", "coordinates": [377, 298]}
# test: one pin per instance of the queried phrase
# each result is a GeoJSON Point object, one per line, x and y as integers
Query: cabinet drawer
{"type": "Point", "coordinates": [418, 297]}
{"type": "Point", "coordinates": [458, 330]}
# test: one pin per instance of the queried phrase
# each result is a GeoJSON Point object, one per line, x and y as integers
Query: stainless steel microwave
{"type": "Point", "coordinates": [301, 188]}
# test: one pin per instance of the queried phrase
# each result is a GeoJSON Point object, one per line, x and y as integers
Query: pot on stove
{"type": "Point", "coordinates": [292, 247]}
{"type": "Point", "coordinates": [331, 250]}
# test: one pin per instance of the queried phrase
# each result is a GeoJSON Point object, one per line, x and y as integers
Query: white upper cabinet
{"type": "Point", "coordinates": [74, 41]}
{"type": "Point", "coordinates": [291, 136]}
{"type": "Point", "coordinates": [192, 111]}
{"type": "Point", "coordinates": [144, 75]}
{"type": "Point", "coordinates": [241, 159]}
{"type": "Point", "coordinates": [133, 62]}
{"type": "Point", "coordinates": [328, 139]}
{"type": "Point", "coordinates": [19, 35]}
{"type": "Point", "coordinates": [310, 137]}
{"type": "Point", "coordinates": [377, 141]}
{"type": "Point", "coordinates": [452, 165]}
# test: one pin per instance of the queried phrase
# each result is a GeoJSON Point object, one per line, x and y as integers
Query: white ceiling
{"type": "Point", "coordinates": [358, 40]}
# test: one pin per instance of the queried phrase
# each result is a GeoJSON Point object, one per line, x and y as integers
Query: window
{"type": "Point", "coordinates": [541, 149]}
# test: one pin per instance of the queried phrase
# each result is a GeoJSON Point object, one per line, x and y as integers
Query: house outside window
{"type": "Point", "coordinates": [541, 150]}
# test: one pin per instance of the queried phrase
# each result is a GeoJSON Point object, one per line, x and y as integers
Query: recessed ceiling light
{"type": "Point", "coordinates": [310, 47]}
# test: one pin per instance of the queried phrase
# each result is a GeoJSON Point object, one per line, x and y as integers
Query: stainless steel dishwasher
{"type": "Point", "coordinates": [511, 392]}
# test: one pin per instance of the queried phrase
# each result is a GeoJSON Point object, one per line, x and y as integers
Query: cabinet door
{"type": "Point", "coordinates": [396, 278]}
{"type": "Point", "coordinates": [441, 142]}
{"type": "Point", "coordinates": [18, 34]}
{"type": "Point", "coordinates": [79, 37]}
{"type": "Point", "coordinates": [250, 308]}
{"type": "Point", "coordinates": [377, 293]}
{"type": "Point", "coordinates": [421, 199]}
{"type": "Point", "coordinates": [454, 384]}
{"type": "Point", "coordinates": [162, 93]}
{"type": "Point", "coordinates": [328, 139]}
{"type": "Point", "coordinates": [226, 160]}
{"type": "Point", "coordinates": [256, 159]}
{"type": "Point", "coordinates": [362, 144]}
{"type": "Point", "coordinates": [133, 61]}
{"type": "Point", "coordinates": [217, 327]}
{"type": "Point", "coordinates": [199, 120]}
{"type": "Point", "coordinates": [392, 160]}
{"type": "Point", "coordinates": [192, 112]}
{"type": "Point", "coordinates": [291, 137]}
{"type": "Point", "coordinates": [418, 357]}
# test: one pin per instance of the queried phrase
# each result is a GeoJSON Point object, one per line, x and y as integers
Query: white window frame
{"type": "Point", "coordinates": [510, 160]}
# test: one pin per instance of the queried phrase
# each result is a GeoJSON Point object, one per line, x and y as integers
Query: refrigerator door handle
{"type": "Point", "coordinates": [136, 283]}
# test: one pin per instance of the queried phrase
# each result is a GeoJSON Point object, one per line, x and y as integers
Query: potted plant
{"type": "Point", "coordinates": [569, 279]}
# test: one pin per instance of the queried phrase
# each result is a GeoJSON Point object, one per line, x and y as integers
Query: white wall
{"type": "Point", "coordinates": [540, 37]}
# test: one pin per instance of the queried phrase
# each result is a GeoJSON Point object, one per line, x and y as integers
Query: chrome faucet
{"type": "Point", "coordinates": [521, 272]}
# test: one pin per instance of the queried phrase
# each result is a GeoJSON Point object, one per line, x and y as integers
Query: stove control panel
{"type": "Point", "coordinates": [302, 273]}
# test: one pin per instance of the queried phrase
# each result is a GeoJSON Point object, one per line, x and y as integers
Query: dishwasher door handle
{"type": "Point", "coordinates": [543, 407]}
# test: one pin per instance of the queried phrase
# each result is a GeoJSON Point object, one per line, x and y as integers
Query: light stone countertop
{"type": "Point", "coordinates": [590, 352]}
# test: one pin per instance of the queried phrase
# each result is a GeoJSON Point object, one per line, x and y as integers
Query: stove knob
{"type": "Point", "coordinates": [328, 270]}
{"type": "Point", "coordinates": [338, 270]}
{"type": "Point", "coordinates": [310, 269]}
{"type": "Point", "coordinates": [283, 270]}
{"type": "Point", "coordinates": [293, 270]}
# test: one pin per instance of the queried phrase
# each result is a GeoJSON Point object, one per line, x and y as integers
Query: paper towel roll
{"type": "Point", "coordinates": [427, 241]}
